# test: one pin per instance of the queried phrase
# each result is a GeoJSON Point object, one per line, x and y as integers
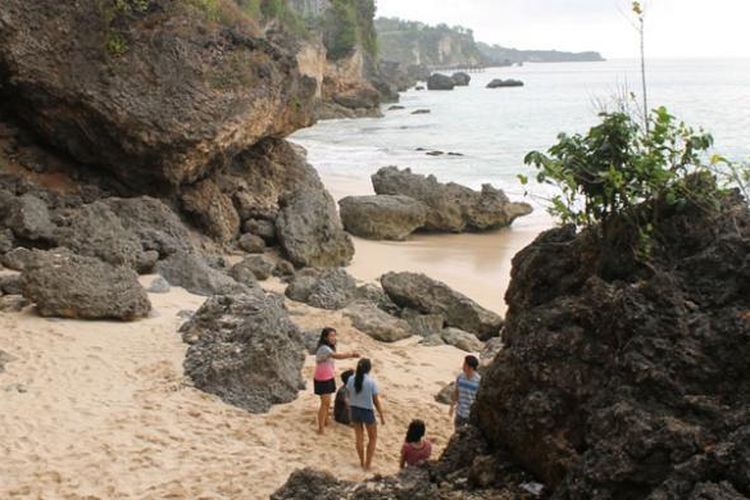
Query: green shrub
{"type": "Point", "coordinates": [340, 29]}
{"type": "Point", "coordinates": [116, 44]}
{"type": "Point", "coordinates": [618, 165]}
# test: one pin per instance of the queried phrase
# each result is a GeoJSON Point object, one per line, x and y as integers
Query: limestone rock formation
{"type": "Point", "coordinates": [382, 217]}
{"type": "Point", "coordinates": [29, 218]}
{"type": "Point", "coordinates": [330, 289]}
{"type": "Point", "coordinates": [67, 285]}
{"type": "Point", "coordinates": [154, 91]}
{"type": "Point", "coordinates": [259, 267]}
{"type": "Point", "coordinates": [429, 296]}
{"type": "Point", "coordinates": [461, 340]}
{"type": "Point", "coordinates": [254, 360]}
{"type": "Point", "coordinates": [438, 81]}
{"type": "Point", "coordinates": [625, 379]}
{"type": "Point", "coordinates": [310, 231]}
{"type": "Point", "coordinates": [192, 272]}
{"type": "Point", "coordinates": [452, 207]}
{"type": "Point", "coordinates": [212, 210]}
{"type": "Point", "coordinates": [368, 318]}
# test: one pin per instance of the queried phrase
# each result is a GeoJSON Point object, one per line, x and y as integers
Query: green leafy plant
{"type": "Point", "coordinates": [117, 45]}
{"type": "Point", "coordinates": [619, 165]}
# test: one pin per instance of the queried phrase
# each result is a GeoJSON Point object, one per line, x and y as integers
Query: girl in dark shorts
{"type": "Point", "coordinates": [324, 380]}
{"type": "Point", "coordinates": [363, 399]}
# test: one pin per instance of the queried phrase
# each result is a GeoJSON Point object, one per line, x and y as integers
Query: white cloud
{"type": "Point", "coordinates": [675, 28]}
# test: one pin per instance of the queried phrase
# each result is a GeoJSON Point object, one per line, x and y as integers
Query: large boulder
{"type": "Point", "coordinates": [67, 285]}
{"type": "Point", "coordinates": [330, 289]}
{"type": "Point", "coordinates": [246, 351]}
{"type": "Point", "coordinates": [439, 81]}
{"type": "Point", "coordinates": [629, 378]}
{"type": "Point", "coordinates": [310, 231]}
{"type": "Point", "coordinates": [461, 340]}
{"type": "Point", "coordinates": [378, 324]}
{"type": "Point", "coordinates": [430, 296]}
{"type": "Point", "coordinates": [461, 79]}
{"type": "Point", "coordinates": [382, 217]}
{"type": "Point", "coordinates": [451, 207]}
{"type": "Point", "coordinates": [192, 272]}
{"type": "Point", "coordinates": [157, 92]}
{"type": "Point", "coordinates": [29, 219]}
{"type": "Point", "coordinates": [254, 267]}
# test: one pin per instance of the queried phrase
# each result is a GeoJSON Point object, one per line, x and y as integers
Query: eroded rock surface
{"type": "Point", "coordinates": [451, 207]}
{"type": "Point", "coordinates": [382, 217]}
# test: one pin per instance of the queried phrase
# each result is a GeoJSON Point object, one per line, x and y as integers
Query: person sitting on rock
{"type": "Point", "coordinates": [467, 385]}
{"type": "Point", "coordinates": [363, 399]}
{"type": "Point", "coordinates": [324, 380]}
{"type": "Point", "coordinates": [416, 449]}
{"type": "Point", "coordinates": [341, 403]}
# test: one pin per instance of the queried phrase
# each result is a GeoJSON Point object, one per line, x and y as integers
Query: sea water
{"type": "Point", "coordinates": [494, 128]}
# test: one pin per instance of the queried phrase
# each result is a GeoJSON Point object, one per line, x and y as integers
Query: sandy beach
{"type": "Point", "coordinates": [102, 410]}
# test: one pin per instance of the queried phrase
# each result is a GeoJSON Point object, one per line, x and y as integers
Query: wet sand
{"type": "Point", "coordinates": [477, 265]}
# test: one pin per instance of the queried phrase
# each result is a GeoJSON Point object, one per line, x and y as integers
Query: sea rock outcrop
{"type": "Point", "coordinates": [155, 91]}
{"type": "Point", "coordinates": [246, 351]}
{"type": "Point", "coordinates": [67, 285]}
{"type": "Point", "coordinates": [621, 379]}
{"type": "Point", "coordinates": [382, 217]}
{"type": "Point", "coordinates": [439, 81]}
{"type": "Point", "coordinates": [461, 79]}
{"type": "Point", "coordinates": [452, 207]}
{"type": "Point", "coordinates": [191, 272]}
{"type": "Point", "coordinates": [498, 83]}
{"type": "Point", "coordinates": [429, 296]}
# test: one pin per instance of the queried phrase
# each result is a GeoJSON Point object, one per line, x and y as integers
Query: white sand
{"type": "Point", "coordinates": [105, 412]}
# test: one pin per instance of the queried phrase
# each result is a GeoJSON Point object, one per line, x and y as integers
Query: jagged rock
{"type": "Point", "coordinates": [625, 378]}
{"type": "Point", "coordinates": [438, 81]}
{"type": "Point", "coordinates": [382, 217]}
{"type": "Point", "coordinates": [421, 112]}
{"type": "Point", "coordinates": [429, 296]}
{"type": "Point", "coordinates": [186, 90]}
{"type": "Point", "coordinates": [330, 289]}
{"type": "Point", "coordinates": [445, 396]}
{"type": "Point", "coordinates": [461, 340]}
{"type": "Point", "coordinates": [5, 358]}
{"type": "Point", "coordinates": [424, 325]}
{"type": "Point", "coordinates": [263, 228]}
{"type": "Point", "coordinates": [94, 230]}
{"type": "Point", "coordinates": [159, 285]}
{"type": "Point", "coordinates": [395, 108]}
{"type": "Point", "coordinates": [491, 348]}
{"type": "Point", "coordinates": [259, 267]}
{"type": "Point", "coordinates": [435, 153]}
{"type": "Point", "coordinates": [311, 338]}
{"type": "Point", "coordinates": [452, 208]}
{"type": "Point", "coordinates": [67, 285]}
{"type": "Point", "coordinates": [310, 231]}
{"type": "Point", "coordinates": [155, 225]}
{"type": "Point", "coordinates": [498, 83]}
{"type": "Point", "coordinates": [10, 284]}
{"type": "Point", "coordinates": [251, 243]}
{"type": "Point", "coordinates": [358, 98]}
{"type": "Point", "coordinates": [461, 79]}
{"type": "Point", "coordinates": [17, 259]}
{"type": "Point", "coordinates": [212, 209]}
{"type": "Point", "coordinates": [192, 272]}
{"type": "Point", "coordinates": [247, 351]}
{"type": "Point", "coordinates": [28, 218]}
{"type": "Point", "coordinates": [13, 303]}
{"type": "Point", "coordinates": [220, 315]}
{"type": "Point", "coordinates": [146, 261]}
{"type": "Point", "coordinates": [368, 318]}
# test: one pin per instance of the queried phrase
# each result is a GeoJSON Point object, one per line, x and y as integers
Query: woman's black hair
{"type": "Point", "coordinates": [324, 338]}
{"type": "Point", "coordinates": [415, 432]}
{"type": "Point", "coordinates": [363, 368]}
{"type": "Point", "coordinates": [346, 376]}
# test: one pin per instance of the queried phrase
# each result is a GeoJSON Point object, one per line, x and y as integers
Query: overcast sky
{"type": "Point", "coordinates": [675, 28]}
